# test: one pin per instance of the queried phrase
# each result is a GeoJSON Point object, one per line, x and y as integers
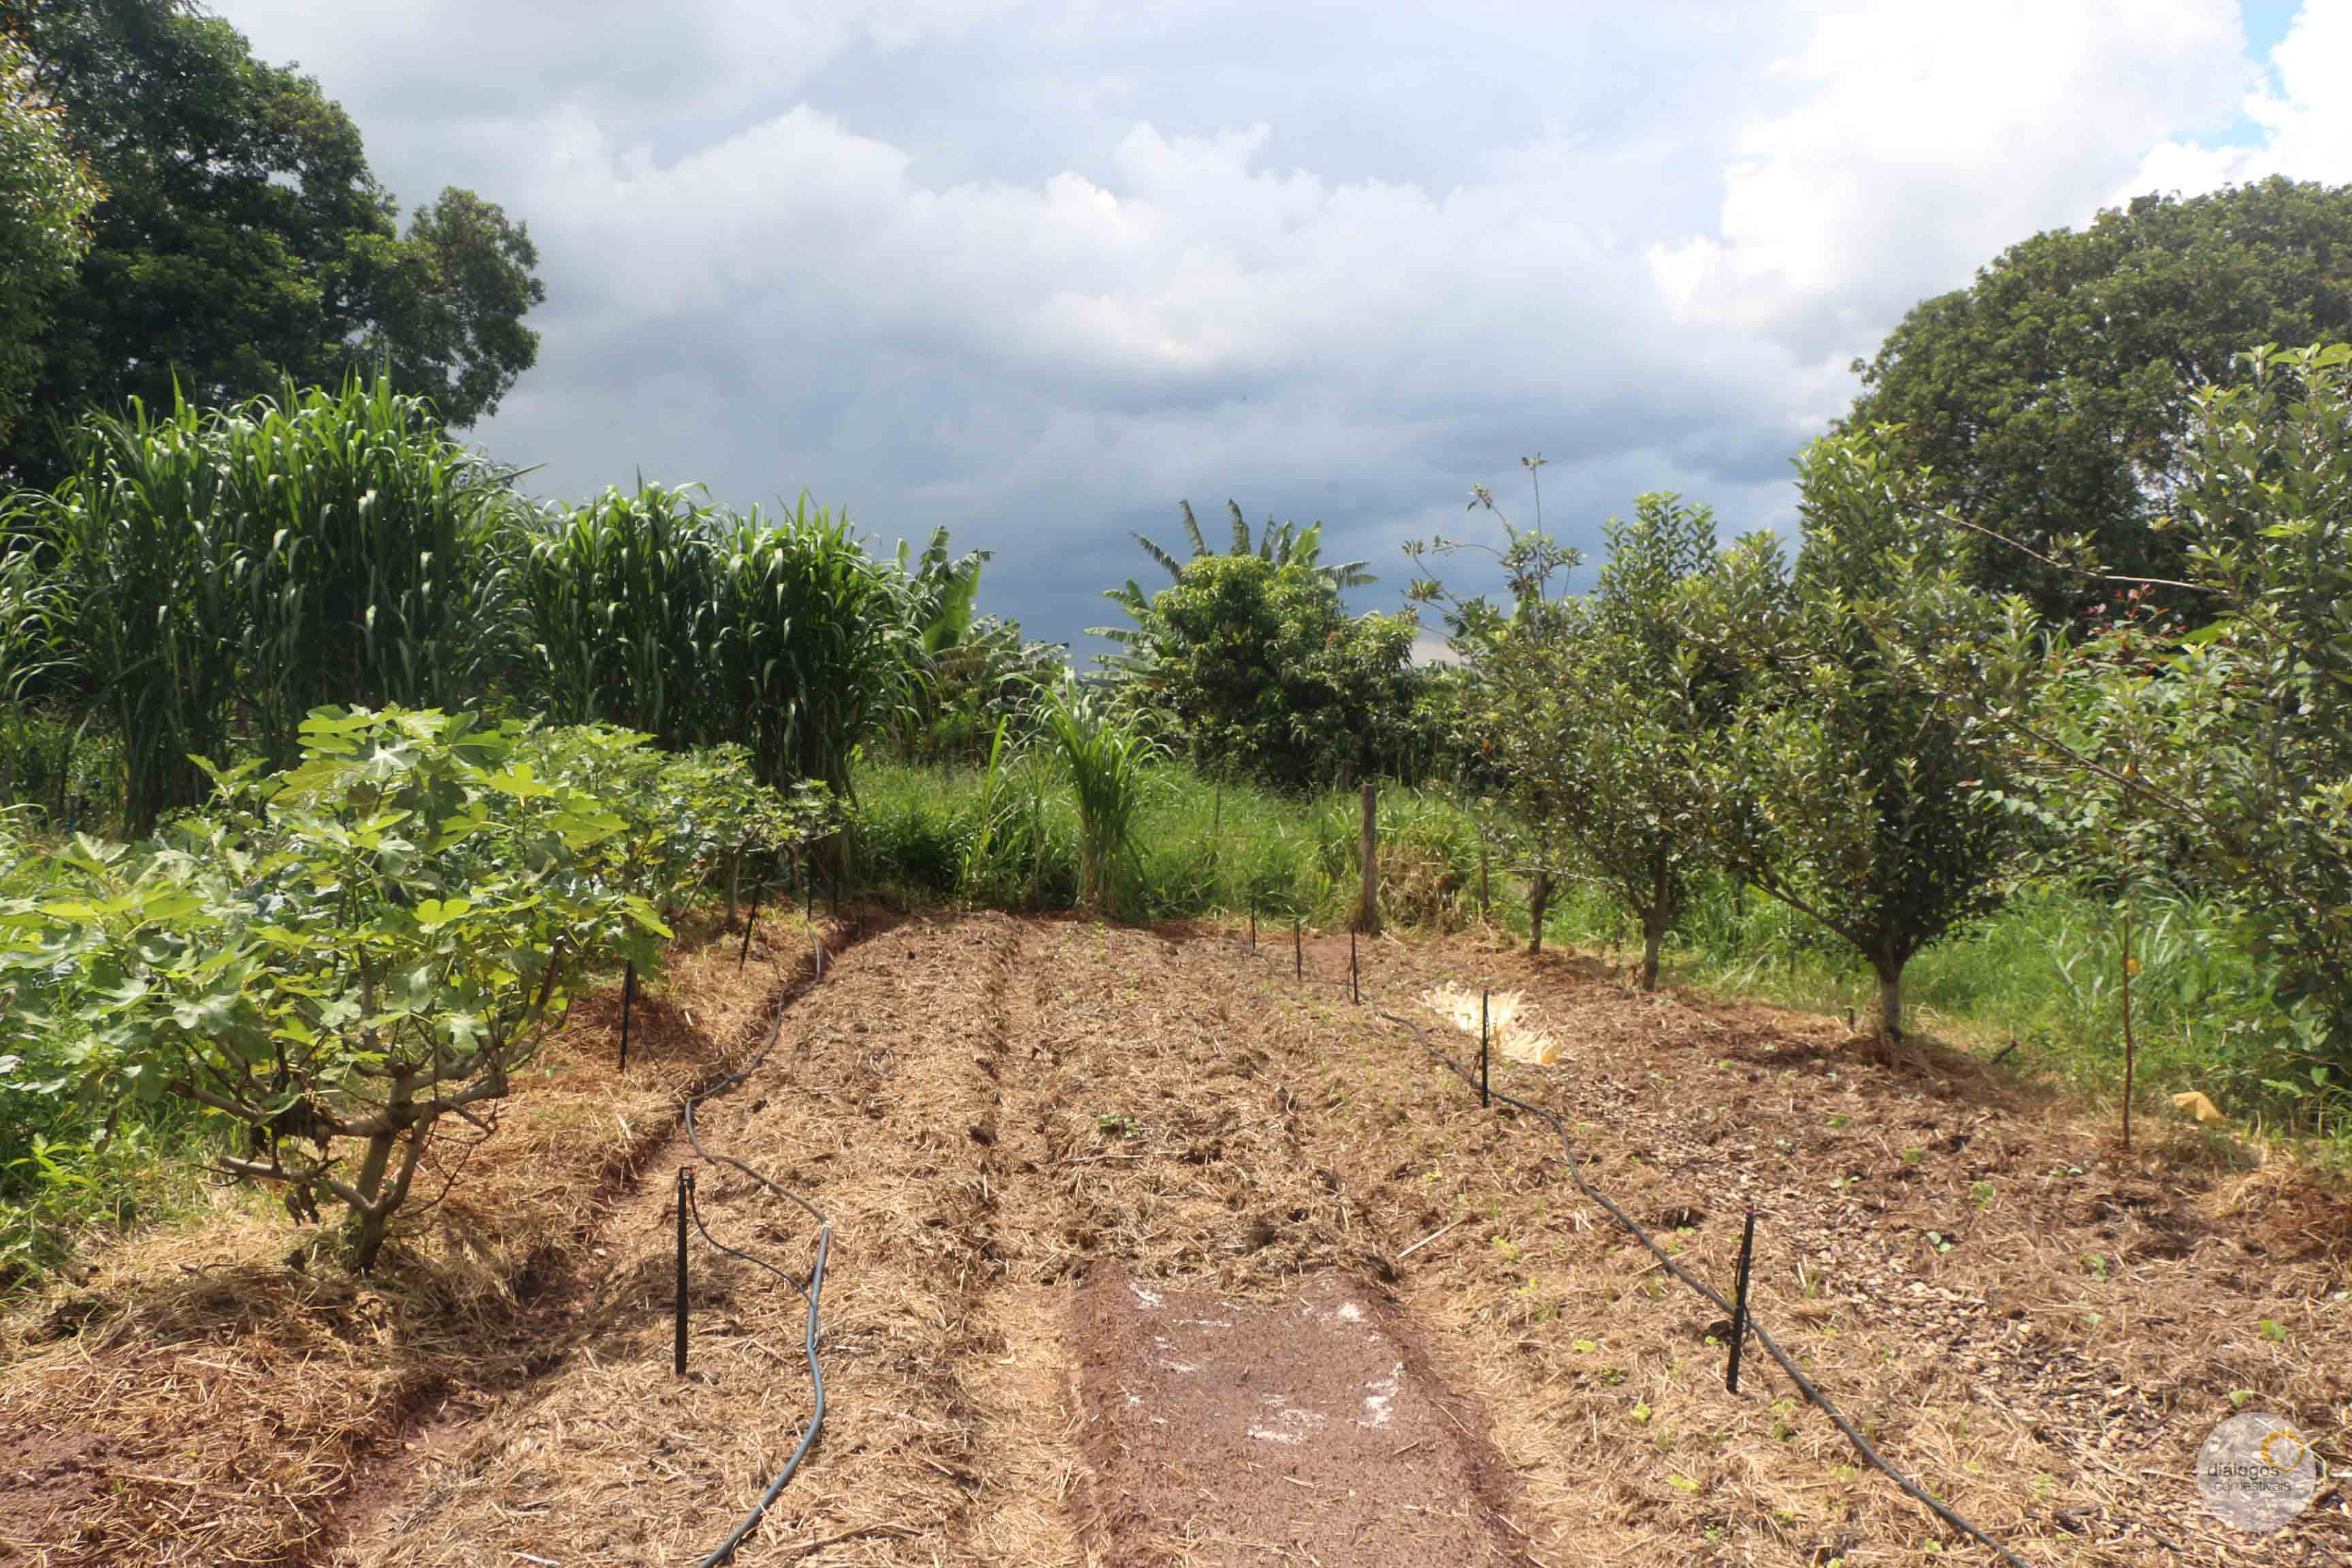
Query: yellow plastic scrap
{"type": "Point", "coordinates": [2198, 1106]}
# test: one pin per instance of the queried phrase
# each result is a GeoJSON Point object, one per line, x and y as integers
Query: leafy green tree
{"type": "Point", "coordinates": [1848, 790]}
{"type": "Point", "coordinates": [46, 197]}
{"type": "Point", "coordinates": [444, 310]}
{"type": "Point", "coordinates": [242, 237]}
{"type": "Point", "coordinates": [2209, 737]}
{"type": "Point", "coordinates": [1257, 665]}
{"type": "Point", "coordinates": [347, 953]}
{"type": "Point", "coordinates": [2051, 396]}
{"type": "Point", "coordinates": [1535, 568]}
{"type": "Point", "coordinates": [1605, 718]}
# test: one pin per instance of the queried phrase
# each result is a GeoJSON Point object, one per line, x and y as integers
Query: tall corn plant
{"type": "Point", "coordinates": [1106, 762]}
{"type": "Point", "coordinates": [370, 539]}
{"type": "Point", "coordinates": [218, 575]}
{"type": "Point", "coordinates": [152, 618]}
{"type": "Point", "coordinates": [812, 644]}
{"type": "Point", "coordinates": [614, 602]}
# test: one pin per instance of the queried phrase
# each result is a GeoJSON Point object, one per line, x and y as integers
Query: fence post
{"type": "Point", "coordinates": [1485, 1097]}
{"type": "Point", "coordinates": [1368, 894]}
{"type": "Point", "coordinates": [628, 1000]}
{"type": "Point", "coordinates": [1299, 946]}
{"type": "Point", "coordinates": [685, 1200]}
{"type": "Point", "coordinates": [1739, 1303]}
{"type": "Point", "coordinates": [1253, 924]}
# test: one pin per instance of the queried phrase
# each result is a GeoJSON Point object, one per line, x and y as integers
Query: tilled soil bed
{"type": "Point", "coordinates": [1146, 1252]}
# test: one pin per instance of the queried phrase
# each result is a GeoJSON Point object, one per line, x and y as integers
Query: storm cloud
{"type": "Point", "coordinates": [1034, 272]}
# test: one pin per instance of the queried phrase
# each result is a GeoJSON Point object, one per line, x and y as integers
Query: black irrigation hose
{"type": "Point", "coordinates": [812, 1292]}
{"type": "Point", "coordinates": [1805, 1385]}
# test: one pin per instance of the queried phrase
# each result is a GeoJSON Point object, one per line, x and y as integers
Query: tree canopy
{"type": "Point", "coordinates": [46, 196]}
{"type": "Point", "coordinates": [2051, 396]}
{"type": "Point", "coordinates": [1849, 790]}
{"type": "Point", "coordinates": [1256, 663]}
{"type": "Point", "coordinates": [241, 236]}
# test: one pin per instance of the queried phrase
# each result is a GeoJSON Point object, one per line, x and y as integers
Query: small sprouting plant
{"type": "Point", "coordinates": [1116, 1124]}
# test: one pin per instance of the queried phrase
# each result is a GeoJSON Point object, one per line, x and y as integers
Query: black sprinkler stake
{"type": "Point", "coordinates": [685, 1200]}
{"type": "Point", "coordinates": [1739, 1303]}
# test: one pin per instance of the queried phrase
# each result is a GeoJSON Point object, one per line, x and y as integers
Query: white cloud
{"type": "Point", "coordinates": [2303, 113]}
{"type": "Point", "coordinates": [1926, 138]}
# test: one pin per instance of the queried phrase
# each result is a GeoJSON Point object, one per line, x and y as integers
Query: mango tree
{"type": "Point", "coordinates": [1848, 790]}
{"type": "Point", "coordinates": [1609, 713]}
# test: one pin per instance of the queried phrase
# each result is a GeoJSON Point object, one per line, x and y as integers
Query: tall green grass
{"type": "Point", "coordinates": [1010, 836]}
{"type": "Point", "coordinates": [700, 626]}
{"type": "Point", "coordinates": [1104, 761]}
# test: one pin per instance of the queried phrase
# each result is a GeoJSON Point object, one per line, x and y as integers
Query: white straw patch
{"type": "Point", "coordinates": [1510, 1021]}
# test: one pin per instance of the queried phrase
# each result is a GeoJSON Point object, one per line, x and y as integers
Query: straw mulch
{"type": "Point", "coordinates": [877, 1104]}
{"type": "Point", "coordinates": [2039, 1328]}
{"type": "Point", "coordinates": [210, 1393]}
{"type": "Point", "coordinates": [990, 1111]}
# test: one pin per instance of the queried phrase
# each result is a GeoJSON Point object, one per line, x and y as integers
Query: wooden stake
{"type": "Point", "coordinates": [1485, 1097]}
{"type": "Point", "coordinates": [2131, 1046]}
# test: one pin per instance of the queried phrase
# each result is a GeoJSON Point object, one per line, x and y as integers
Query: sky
{"type": "Point", "coordinates": [1033, 272]}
